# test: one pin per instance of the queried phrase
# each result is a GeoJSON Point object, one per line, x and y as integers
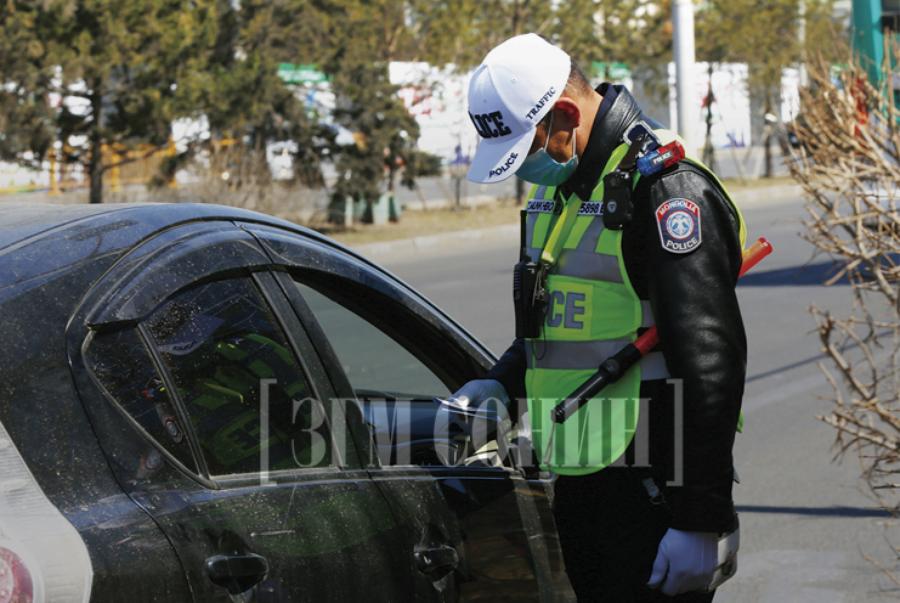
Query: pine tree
{"type": "Point", "coordinates": [363, 37]}
{"type": "Point", "coordinates": [243, 99]}
{"type": "Point", "coordinates": [98, 73]}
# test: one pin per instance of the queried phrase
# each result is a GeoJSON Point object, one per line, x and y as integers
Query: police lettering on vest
{"type": "Point", "coordinates": [565, 310]}
{"type": "Point", "coordinates": [490, 125]}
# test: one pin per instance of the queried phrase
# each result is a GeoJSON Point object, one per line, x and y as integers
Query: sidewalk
{"type": "Point", "coordinates": [430, 193]}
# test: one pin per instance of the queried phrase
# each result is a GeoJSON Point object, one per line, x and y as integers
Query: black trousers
{"type": "Point", "coordinates": [609, 530]}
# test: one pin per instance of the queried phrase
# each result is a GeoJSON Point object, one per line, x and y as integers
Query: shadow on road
{"type": "Point", "coordinates": [834, 511]}
{"type": "Point", "coordinates": [795, 276]}
{"type": "Point", "coordinates": [788, 367]}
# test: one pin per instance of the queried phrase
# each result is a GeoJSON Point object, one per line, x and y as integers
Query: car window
{"type": "Point", "coordinates": [374, 362]}
{"type": "Point", "coordinates": [230, 361]}
{"type": "Point", "coordinates": [121, 365]}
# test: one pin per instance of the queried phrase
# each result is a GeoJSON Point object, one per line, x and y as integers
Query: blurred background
{"type": "Point", "coordinates": [319, 110]}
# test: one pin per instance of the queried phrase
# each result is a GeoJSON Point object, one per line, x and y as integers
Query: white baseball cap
{"type": "Point", "coordinates": [509, 93]}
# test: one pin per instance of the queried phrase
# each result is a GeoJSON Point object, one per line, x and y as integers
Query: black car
{"type": "Point", "coordinates": [201, 403]}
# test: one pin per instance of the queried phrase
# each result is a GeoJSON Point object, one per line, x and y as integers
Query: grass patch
{"type": "Point", "coordinates": [431, 221]}
{"type": "Point", "coordinates": [733, 184]}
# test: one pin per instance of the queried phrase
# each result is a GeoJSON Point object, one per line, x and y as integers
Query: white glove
{"type": "Point", "coordinates": [685, 562]}
{"type": "Point", "coordinates": [464, 409]}
{"type": "Point", "coordinates": [476, 392]}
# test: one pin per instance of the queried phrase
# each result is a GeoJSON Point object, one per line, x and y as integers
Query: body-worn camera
{"type": "Point", "coordinates": [529, 297]}
{"type": "Point", "coordinates": [529, 289]}
{"type": "Point", "coordinates": [618, 207]}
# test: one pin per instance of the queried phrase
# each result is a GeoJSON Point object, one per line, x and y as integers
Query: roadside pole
{"type": "Point", "coordinates": [683, 45]}
{"type": "Point", "coordinates": [801, 37]}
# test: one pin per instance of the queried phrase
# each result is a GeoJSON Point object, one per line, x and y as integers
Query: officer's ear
{"type": "Point", "coordinates": [568, 114]}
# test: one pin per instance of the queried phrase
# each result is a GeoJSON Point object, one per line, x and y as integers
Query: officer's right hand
{"type": "Point", "coordinates": [477, 392]}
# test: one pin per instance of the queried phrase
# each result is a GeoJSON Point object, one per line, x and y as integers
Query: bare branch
{"type": "Point", "coordinates": [849, 169]}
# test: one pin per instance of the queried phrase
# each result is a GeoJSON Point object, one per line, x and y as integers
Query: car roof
{"type": "Point", "coordinates": [19, 221]}
{"type": "Point", "coordinates": [29, 221]}
{"type": "Point", "coordinates": [37, 239]}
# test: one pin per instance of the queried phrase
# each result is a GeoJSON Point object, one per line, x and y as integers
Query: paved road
{"type": "Point", "coordinates": [806, 521]}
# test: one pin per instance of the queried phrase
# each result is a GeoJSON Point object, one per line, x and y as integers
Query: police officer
{"type": "Point", "coordinates": [644, 471]}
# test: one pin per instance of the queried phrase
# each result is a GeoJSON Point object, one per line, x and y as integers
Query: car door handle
{"type": "Point", "coordinates": [237, 573]}
{"type": "Point", "coordinates": [437, 561]}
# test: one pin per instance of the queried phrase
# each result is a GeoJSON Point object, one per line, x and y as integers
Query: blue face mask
{"type": "Point", "coordinates": [541, 168]}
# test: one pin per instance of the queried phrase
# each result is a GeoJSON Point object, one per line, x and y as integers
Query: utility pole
{"type": "Point", "coordinates": [516, 27]}
{"type": "Point", "coordinates": [801, 36]}
{"type": "Point", "coordinates": [683, 44]}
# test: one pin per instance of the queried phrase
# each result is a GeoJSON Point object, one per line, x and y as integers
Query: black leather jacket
{"type": "Point", "coordinates": [696, 310]}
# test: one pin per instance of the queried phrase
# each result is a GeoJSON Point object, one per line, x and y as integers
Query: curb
{"type": "Point", "coordinates": [755, 197]}
{"type": "Point", "coordinates": [435, 241]}
{"type": "Point", "coordinates": [471, 201]}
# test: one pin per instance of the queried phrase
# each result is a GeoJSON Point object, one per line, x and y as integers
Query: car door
{"type": "Point", "coordinates": [213, 410]}
{"type": "Point", "coordinates": [480, 526]}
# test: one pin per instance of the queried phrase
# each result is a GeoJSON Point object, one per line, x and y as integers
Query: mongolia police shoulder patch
{"type": "Point", "coordinates": [678, 221]}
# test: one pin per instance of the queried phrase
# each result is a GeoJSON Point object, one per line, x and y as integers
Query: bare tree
{"type": "Point", "coordinates": [849, 168]}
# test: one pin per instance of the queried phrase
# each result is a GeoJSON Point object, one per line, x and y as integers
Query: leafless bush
{"type": "Point", "coordinates": [849, 168]}
{"type": "Point", "coordinates": [235, 175]}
